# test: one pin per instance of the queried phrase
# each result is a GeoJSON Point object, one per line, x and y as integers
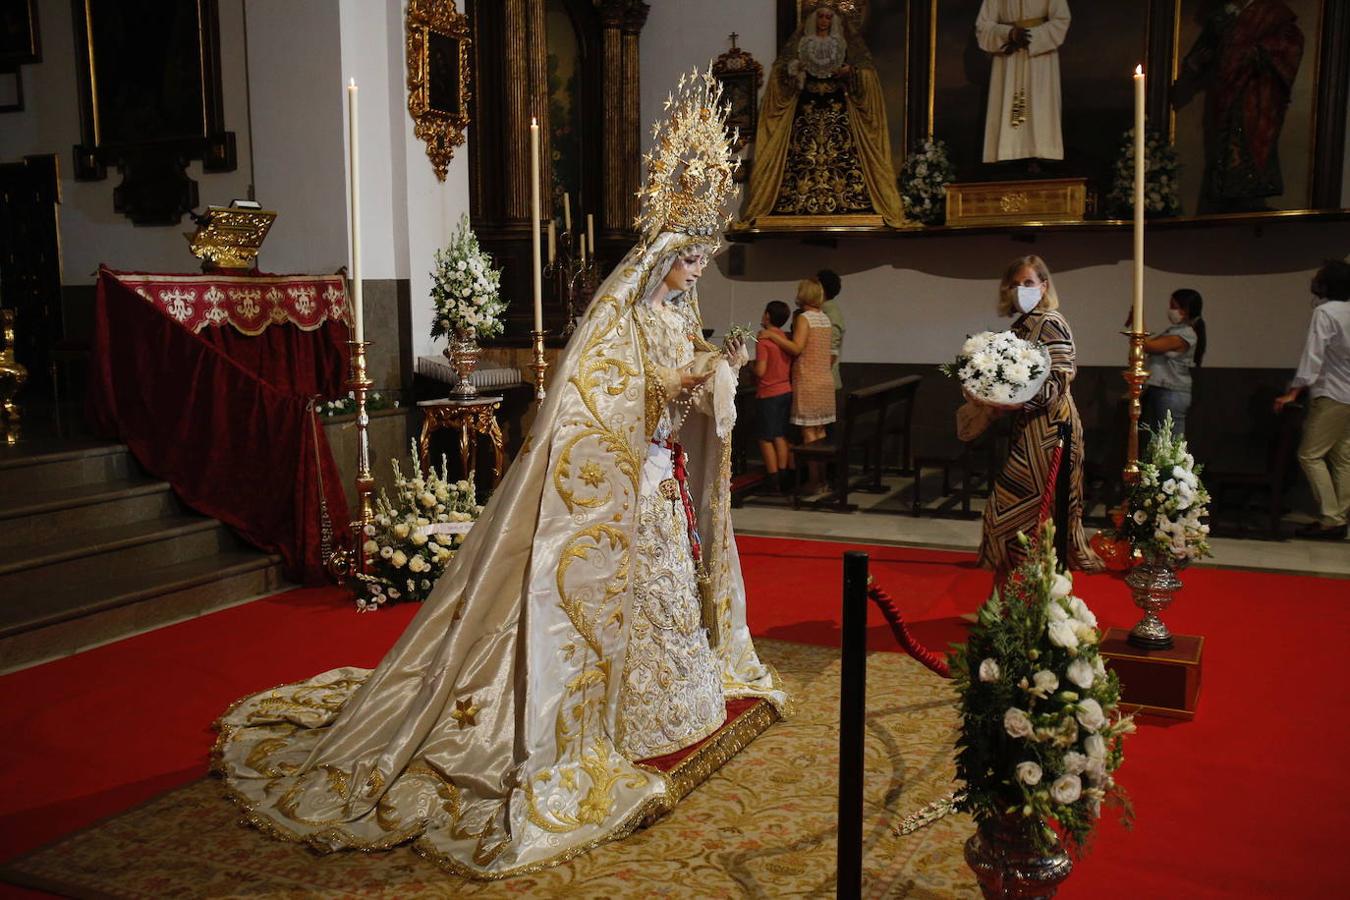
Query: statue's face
{"type": "Point", "coordinates": [824, 20]}
{"type": "Point", "coordinates": [685, 272]}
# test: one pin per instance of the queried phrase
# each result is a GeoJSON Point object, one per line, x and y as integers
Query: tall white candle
{"type": "Point", "coordinates": [552, 242]}
{"type": "Point", "coordinates": [534, 225]}
{"type": "Point", "coordinates": [1138, 199]}
{"type": "Point", "coordinates": [590, 232]}
{"type": "Point", "coordinates": [354, 191]}
{"type": "Point", "coordinates": [567, 212]}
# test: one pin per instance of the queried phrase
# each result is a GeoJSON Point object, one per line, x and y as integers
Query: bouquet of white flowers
{"type": "Point", "coordinates": [1167, 504]}
{"type": "Point", "coordinates": [923, 182]}
{"type": "Point", "coordinates": [1162, 196]}
{"type": "Point", "coordinates": [465, 287]}
{"type": "Point", "coordinates": [1041, 732]}
{"type": "Point", "coordinates": [999, 368]}
{"type": "Point", "coordinates": [415, 535]}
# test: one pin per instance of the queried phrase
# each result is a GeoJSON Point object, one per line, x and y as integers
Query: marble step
{"type": "Point", "coordinates": [79, 616]}
{"type": "Point", "coordinates": [35, 516]}
{"type": "Point", "coordinates": [44, 566]}
{"type": "Point", "coordinates": [86, 463]}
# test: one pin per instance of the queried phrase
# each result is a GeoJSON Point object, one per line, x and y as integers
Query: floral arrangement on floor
{"type": "Point", "coordinates": [1041, 733]}
{"type": "Point", "coordinates": [415, 534]}
{"type": "Point", "coordinates": [1161, 188]}
{"type": "Point", "coordinates": [1167, 505]}
{"type": "Point", "coordinates": [1000, 368]}
{"type": "Point", "coordinates": [347, 405]}
{"type": "Point", "coordinates": [465, 287]}
{"type": "Point", "coordinates": [923, 183]}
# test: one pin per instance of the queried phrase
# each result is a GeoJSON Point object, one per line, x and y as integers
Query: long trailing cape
{"type": "Point", "coordinates": [867, 124]}
{"type": "Point", "coordinates": [488, 732]}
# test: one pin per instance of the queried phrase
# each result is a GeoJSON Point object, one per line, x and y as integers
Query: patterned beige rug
{"type": "Point", "coordinates": [762, 826]}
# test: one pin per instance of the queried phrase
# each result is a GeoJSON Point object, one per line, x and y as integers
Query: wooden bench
{"type": "Point", "coordinates": [863, 426]}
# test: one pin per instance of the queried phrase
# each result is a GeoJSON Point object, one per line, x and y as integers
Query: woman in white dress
{"type": "Point", "coordinates": [593, 618]}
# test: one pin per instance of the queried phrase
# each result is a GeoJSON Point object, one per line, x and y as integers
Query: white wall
{"type": "Point", "coordinates": [296, 98]}
{"type": "Point", "coordinates": [914, 299]}
{"type": "Point", "coordinates": [91, 233]}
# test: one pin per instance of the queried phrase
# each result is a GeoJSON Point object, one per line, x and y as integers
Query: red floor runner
{"type": "Point", "coordinates": [1247, 800]}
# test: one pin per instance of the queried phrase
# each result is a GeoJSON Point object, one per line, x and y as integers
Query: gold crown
{"type": "Point", "coordinates": [690, 165]}
{"type": "Point", "coordinates": [847, 7]}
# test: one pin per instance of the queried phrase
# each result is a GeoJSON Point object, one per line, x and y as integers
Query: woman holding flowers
{"type": "Point", "coordinates": [1039, 426]}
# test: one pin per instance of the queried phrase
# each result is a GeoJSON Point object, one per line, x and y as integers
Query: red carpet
{"type": "Point", "coordinates": [1247, 800]}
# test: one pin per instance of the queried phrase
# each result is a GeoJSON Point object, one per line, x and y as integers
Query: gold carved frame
{"type": "Point", "coordinates": [438, 100]}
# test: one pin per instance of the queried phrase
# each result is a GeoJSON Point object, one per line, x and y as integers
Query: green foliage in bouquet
{"type": "Point", "coordinates": [407, 552]}
{"type": "Point", "coordinates": [1041, 732]}
{"type": "Point", "coordinates": [465, 287]}
{"type": "Point", "coordinates": [1168, 504]}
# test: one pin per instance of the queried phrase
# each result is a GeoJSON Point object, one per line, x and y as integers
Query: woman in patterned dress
{"type": "Point", "coordinates": [812, 378]}
{"type": "Point", "coordinates": [1038, 427]}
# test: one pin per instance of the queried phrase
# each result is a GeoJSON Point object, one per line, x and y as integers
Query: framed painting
{"type": "Point", "coordinates": [1095, 58]}
{"type": "Point", "coordinates": [19, 40]}
{"type": "Point", "coordinates": [150, 99]}
{"type": "Point", "coordinates": [438, 78]}
{"type": "Point", "coordinates": [1257, 108]}
{"type": "Point", "coordinates": [741, 75]}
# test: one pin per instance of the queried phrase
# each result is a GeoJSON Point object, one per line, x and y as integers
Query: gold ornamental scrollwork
{"type": "Point", "coordinates": [438, 78]}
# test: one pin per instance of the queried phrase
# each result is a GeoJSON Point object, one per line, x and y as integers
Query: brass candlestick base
{"type": "Point", "coordinates": [1135, 376]}
{"type": "Point", "coordinates": [350, 562]}
{"type": "Point", "coordinates": [539, 365]}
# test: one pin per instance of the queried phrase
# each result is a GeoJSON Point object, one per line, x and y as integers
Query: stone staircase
{"type": "Point", "coordinates": [92, 550]}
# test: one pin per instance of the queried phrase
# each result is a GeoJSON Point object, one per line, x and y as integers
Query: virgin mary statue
{"type": "Point", "coordinates": [822, 147]}
{"type": "Point", "coordinates": [594, 617]}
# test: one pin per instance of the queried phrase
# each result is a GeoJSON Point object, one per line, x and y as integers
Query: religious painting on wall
{"type": "Point", "coordinates": [150, 100]}
{"type": "Point", "coordinates": [741, 76]}
{"type": "Point", "coordinates": [437, 51]}
{"type": "Point", "coordinates": [1244, 103]}
{"type": "Point", "coordinates": [823, 154]}
{"type": "Point", "coordinates": [564, 107]}
{"type": "Point", "coordinates": [19, 41]}
{"type": "Point", "coordinates": [1025, 89]}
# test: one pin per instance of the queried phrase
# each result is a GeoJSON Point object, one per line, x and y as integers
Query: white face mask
{"type": "Point", "coordinates": [1028, 298]}
{"type": "Point", "coordinates": [1175, 316]}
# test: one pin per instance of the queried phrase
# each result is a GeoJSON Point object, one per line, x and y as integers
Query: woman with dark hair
{"type": "Point", "coordinates": [1171, 356]}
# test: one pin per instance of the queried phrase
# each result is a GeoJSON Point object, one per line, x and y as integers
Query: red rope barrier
{"type": "Point", "coordinates": [902, 634]}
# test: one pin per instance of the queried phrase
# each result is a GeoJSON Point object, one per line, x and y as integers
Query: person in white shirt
{"type": "Point", "coordinates": [1324, 371]}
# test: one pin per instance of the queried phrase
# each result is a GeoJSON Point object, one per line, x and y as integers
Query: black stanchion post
{"type": "Point", "coordinates": [852, 711]}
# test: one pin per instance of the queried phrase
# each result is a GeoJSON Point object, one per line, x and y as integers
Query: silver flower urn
{"type": "Point", "coordinates": [1153, 582]}
{"type": "Point", "coordinates": [1007, 862]}
{"type": "Point", "coordinates": [463, 354]}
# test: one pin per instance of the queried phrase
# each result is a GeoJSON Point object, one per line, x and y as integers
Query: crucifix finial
{"type": "Point", "coordinates": [734, 35]}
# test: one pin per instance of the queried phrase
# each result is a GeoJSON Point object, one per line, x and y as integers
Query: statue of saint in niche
{"type": "Point", "coordinates": [1023, 117]}
{"type": "Point", "coordinates": [822, 148]}
{"type": "Point", "coordinates": [1246, 58]}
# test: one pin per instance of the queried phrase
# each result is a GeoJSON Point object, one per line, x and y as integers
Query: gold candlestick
{"type": "Point", "coordinates": [539, 366]}
{"type": "Point", "coordinates": [1135, 376]}
{"type": "Point", "coordinates": [351, 562]}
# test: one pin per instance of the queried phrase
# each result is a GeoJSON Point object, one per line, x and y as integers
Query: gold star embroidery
{"type": "Point", "coordinates": [592, 474]}
{"type": "Point", "coordinates": [465, 713]}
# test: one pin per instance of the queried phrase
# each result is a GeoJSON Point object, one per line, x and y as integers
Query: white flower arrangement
{"type": "Point", "coordinates": [414, 535]}
{"type": "Point", "coordinates": [1162, 195]}
{"type": "Point", "coordinates": [465, 287]}
{"type": "Point", "coordinates": [1167, 506]}
{"type": "Point", "coordinates": [344, 406]}
{"type": "Point", "coordinates": [1041, 731]}
{"type": "Point", "coordinates": [923, 182]}
{"type": "Point", "coordinates": [1000, 368]}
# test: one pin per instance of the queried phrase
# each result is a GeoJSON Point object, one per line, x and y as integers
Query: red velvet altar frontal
{"type": "Point", "coordinates": [209, 380]}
